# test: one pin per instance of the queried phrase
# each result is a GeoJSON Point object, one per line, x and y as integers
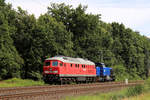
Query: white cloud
{"type": "Point", "coordinates": [32, 7]}
{"type": "Point", "coordinates": [128, 16]}
{"type": "Point", "coordinates": [135, 18]}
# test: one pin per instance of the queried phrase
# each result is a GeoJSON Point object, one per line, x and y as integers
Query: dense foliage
{"type": "Point", "coordinates": [26, 41]}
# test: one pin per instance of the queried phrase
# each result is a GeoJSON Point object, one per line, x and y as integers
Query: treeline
{"type": "Point", "coordinates": [25, 41]}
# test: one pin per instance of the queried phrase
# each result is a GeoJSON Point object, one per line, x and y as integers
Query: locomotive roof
{"type": "Point", "coordinates": [72, 60]}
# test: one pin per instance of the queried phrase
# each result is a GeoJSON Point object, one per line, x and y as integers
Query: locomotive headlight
{"type": "Point", "coordinates": [46, 72]}
{"type": "Point", "coordinates": [55, 71]}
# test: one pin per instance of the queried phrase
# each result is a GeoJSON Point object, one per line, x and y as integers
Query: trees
{"type": "Point", "coordinates": [10, 60]}
{"type": "Point", "coordinates": [26, 41]}
{"type": "Point", "coordinates": [83, 26]}
{"type": "Point", "coordinates": [56, 39]}
{"type": "Point", "coordinates": [130, 46]}
{"type": "Point", "coordinates": [39, 38]}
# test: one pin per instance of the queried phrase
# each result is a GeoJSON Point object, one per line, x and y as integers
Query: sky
{"type": "Point", "coordinates": [134, 14]}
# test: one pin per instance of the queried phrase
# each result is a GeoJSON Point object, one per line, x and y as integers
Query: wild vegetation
{"type": "Point", "coordinates": [16, 82]}
{"type": "Point", "coordinates": [144, 96]}
{"type": "Point", "coordinates": [25, 41]}
{"type": "Point", "coordinates": [131, 93]}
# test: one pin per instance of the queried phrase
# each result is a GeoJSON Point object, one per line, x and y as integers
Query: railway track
{"type": "Point", "coordinates": [55, 92]}
{"type": "Point", "coordinates": [50, 87]}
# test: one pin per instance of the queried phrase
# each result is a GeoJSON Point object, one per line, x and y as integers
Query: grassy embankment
{"type": "Point", "coordinates": [125, 94]}
{"type": "Point", "coordinates": [144, 96]}
{"type": "Point", "coordinates": [15, 82]}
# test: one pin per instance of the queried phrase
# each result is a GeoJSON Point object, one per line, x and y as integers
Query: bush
{"type": "Point", "coordinates": [120, 72]}
{"type": "Point", "coordinates": [134, 91]}
{"type": "Point", "coordinates": [147, 85]}
{"type": "Point", "coordinates": [117, 97]}
{"type": "Point", "coordinates": [35, 76]}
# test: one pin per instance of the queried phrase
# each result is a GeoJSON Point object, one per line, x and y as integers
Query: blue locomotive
{"type": "Point", "coordinates": [104, 73]}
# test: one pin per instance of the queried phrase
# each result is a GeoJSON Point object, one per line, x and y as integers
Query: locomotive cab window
{"type": "Point", "coordinates": [71, 65]}
{"type": "Point", "coordinates": [55, 63]}
{"type": "Point", "coordinates": [47, 63]}
{"type": "Point", "coordinates": [100, 64]}
{"type": "Point", "coordinates": [61, 64]}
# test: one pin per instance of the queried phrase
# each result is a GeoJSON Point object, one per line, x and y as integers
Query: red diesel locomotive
{"type": "Point", "coordinates": [61, 69]}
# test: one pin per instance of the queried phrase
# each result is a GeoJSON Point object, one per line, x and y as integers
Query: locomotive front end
{"type": "Point", "coordinates": [50, 71]}
{"type": "Point", "coordinates": [50, 67]}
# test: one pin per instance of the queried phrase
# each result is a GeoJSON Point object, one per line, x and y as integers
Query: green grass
{"type": "Point", "coordinates": [116, 95]}
{"type": "Point", "coordinates": [144, 96]}
{"type": "Point", "coordinates": [15, 82]}
{"type": "Point", "coordinates": [100, 96]}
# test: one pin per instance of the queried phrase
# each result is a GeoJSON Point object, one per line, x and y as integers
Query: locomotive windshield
{"type": "Point", "coordinates": [55, 63]}
{"type": "Point", "coordinates": [47, 63]}
{"type": "Point", "coordinates": [100, 64]}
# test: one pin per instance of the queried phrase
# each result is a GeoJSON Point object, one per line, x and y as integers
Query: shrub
{"type": "Point", "coordinates": [35, 76]}
{"type": "Point", "coordinates": [120, 72]}
{"type": "Point", "coordinates": [20, 82]}
{"type": "Point", "coordinates": [133, 91]}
